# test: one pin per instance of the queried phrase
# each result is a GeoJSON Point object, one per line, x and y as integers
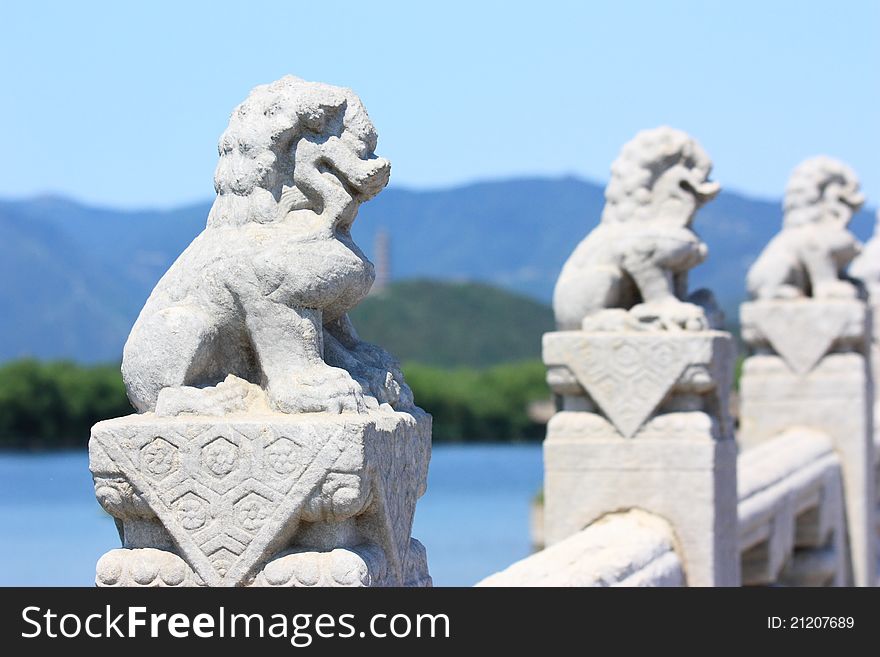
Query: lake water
{"type": "Point", "coordinates": [473, 520]}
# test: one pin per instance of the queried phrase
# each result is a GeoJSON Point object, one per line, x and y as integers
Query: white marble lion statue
{"type": "Point", "coordinates": [809, 256]}
{"type": "Point", "coordinates": [632, 269]}
{"type": "Point", "coordinates": [262, 294]}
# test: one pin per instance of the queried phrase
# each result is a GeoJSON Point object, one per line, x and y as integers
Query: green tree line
{"type": "Point", "coordinates": [54, 404]}
{"type": "Point", "coordinates": [485, 405]}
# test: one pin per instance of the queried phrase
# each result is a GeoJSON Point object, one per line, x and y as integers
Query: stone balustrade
{"type": "Point", "coordinates": [641, 369]}
{"type": "Point", "coordinates": [791, 529]}
{"type": "Point", "coordinates": [643, 484]}
{"type": "Point", "coordinates": [272, 446]}
{"type": "Point", "coordinates": [866, 269]}
{"type": "Point", "coordinates": [780, 389]}
{"type": "Point", "coordinates": [792, 525]}
{"type": "Point", "coordinates": [808, 332]}
{"type": "Point", "coordinates": [633, 548]}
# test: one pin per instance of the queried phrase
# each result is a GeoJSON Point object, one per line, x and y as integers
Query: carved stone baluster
{"type": "Point", "coordinates": [808, 333]}
{"type": "Point", "coordinates": [272, 446]}
{"type": "Point", "coordinates": [641, 370]}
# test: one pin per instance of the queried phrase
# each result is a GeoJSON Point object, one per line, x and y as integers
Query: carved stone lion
{"type": "Point", "coordinates": [809, 256]}
{"type": "Point", "coordinates": [262, 294]}
{"type": "Point", "coordinates": [633, 268]}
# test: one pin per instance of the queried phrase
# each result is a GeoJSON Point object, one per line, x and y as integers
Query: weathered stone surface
{"type": "Point", "coordinates": [792, 527]}
{"type": "Point", "coordinates": [263, 292]}
{"type": "Point", "coordinates": [866, 268]}
{"type": "Point", "coordinates": [808, 331]}
{"type": "Point", "coordinates": [642, 380]}
{"type": "Point", "coordinates": [359, 566]}
{"type": "Point", "coordinates": [229, 495]}
{"type": "Point", "coordinates": [631, 271]}
{"type": "Point", "coordinates": [630, 375]}
{"type": "Point", "coordinates": [802, 331]}
{"type": "Point", "coordinates": [273, 447]}
{"type": "Point", "coordinates": [832, 398]}
{"type": "Point", "coordinates": [809, 256]}
{"type": "Point", "coordinates": [687, 478]}
{"type": "Point", "coordinates": [645, 426]}
{"type": "Point", "coordinates": [633, 548]}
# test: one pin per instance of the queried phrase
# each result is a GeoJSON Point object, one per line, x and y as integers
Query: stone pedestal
{"type": "Point", "coordinates": [875, 358]}
{"type": "Point", "coordinates": [263, 500]}
{"type": "Point", "coordinates": [644, 425]}
{"type": "Point", "coordinates": [273, 447]}
{"type": "Point", "coordinates": [810, 368]}
{"type": "Point", "coordinates": [866, 268]}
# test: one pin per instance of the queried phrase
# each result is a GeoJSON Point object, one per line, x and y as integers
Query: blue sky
{"type": "Point", "coordinates": [122, 103]}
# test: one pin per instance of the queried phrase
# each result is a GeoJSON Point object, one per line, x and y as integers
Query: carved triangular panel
{"type": "Point", "coordinates": [801, 332]}
{"type": "Point", "coordinates": [196, 482]}
{"type": "Point", "coordinates": [628, 376]}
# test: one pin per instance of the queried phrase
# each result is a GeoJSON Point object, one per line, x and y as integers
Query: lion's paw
{"type": "Point", "coordinates": [780, 292]}
{"type": "Point", "coordinates": [379, 375]}
{"type": "Point", "coordinates": [316, 390]}
{"type": "Point", "coordinates": [672, 315]}
{"type": "Point", "coordinates": [835, 289]}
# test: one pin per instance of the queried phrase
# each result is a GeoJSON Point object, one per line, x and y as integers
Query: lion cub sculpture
{"type": "Point", "coordinates": [631, 271]}
{"type": "Point", "coordinates": [261, 296]}
{"type": "Point", "coordinates": [808, 258]}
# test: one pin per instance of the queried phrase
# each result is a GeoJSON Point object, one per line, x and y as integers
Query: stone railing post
{"type": "Point", "coordinates": [866, 268]}
{"type": "Point", "coordinates": [640, 370]}
{"type": "Point", "coordinates": [272, 446]}
{"type": "Point", "coordinates": [808, 336]}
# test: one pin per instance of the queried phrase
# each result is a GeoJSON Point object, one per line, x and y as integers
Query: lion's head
{"type": "Point", "coordinates": [661, 175]}
{"type": "Point", "coordinates": [296, 145]}
{"type": "Point", "coordinates": [822, 190]}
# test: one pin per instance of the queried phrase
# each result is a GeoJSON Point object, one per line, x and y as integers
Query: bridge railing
{"type": "Point", "coordinates": [791, 529]}
{"type": "Point", "coordinates": [633, 548]}
{"type": "Point", "coordinates": [792, 526]}
{"type": "Point", "coordinates": [642, 375]}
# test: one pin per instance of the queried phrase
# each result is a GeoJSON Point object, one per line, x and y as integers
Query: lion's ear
{"type": "Point", "coordinates": [315, 115]}
{"type": "Point", "coordinates": [312, 118]}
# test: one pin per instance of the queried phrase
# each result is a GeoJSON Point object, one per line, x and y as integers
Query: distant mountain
{"type": "Point", "coordinates": [453, 324]}
{"type": "Point", "coordinates": [76, 276]}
